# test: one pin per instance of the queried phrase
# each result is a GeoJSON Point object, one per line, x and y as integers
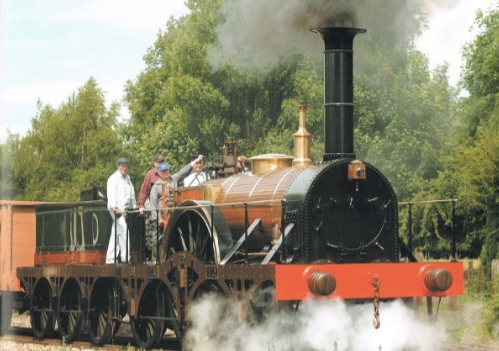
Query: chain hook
{"type": "Point", "coordinates": [376, 321]}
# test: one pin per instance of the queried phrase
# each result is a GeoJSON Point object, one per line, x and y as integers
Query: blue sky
{"type": "Point", "coordinates": [50, 48]}
{"type": "Point", "coordinates": [449, 31]}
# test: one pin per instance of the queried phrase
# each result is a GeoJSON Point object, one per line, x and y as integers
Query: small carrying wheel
{"type": "Point", "coordinates": [100, 322]}
{"type": "Point", "coordinates": [42, 315]}
{"type": "Point", "coordinates": [148, 327]}
{"type": "Point", "coordinates": [70, 318]}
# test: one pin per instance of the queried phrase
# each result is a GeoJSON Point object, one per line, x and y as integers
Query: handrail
{"type": "Point", "coordinates": [426, 202]}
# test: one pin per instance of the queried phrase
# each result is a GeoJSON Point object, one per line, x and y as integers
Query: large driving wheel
{"type": "Point", "coordinates": [70, 317]}
{"type": "Point", "coordinates": [42, 315]}
{"type": "Point", "coordinates": [147, 326]}
{"type": "Point", "coordinates": [200, 229]}
{"type": "Point", "coordinates": [100, 322]}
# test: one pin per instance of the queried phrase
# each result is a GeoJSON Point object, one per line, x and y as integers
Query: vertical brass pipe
{"type": "Point", "coordinates": [302, 141]}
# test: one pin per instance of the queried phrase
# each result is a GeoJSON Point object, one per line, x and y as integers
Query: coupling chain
{"type": "Point", "coordinates": [376, 321]}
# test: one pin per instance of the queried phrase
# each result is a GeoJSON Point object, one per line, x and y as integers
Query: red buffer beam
{"type": "Point", "coordinates": [357, 281]}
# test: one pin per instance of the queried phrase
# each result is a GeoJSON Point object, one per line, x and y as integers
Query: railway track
{"type": "Point", "coordinates": [25, 336]}
{"type": "Point", "coordinates": [468, 347]}
{"type": "Point", "coordinates": [21, 333]}
{"type": "Point", "coordinates": [120, 342]}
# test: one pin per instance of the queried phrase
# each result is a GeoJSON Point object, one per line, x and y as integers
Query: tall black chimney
{"type": "Point", "coordinates": [338, 91]}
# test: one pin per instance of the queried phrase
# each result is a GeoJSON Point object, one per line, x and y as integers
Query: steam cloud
{"type": "Point", "coordinates": [258, 33]}
{"type": "Point", "coordinates": [324, 325]}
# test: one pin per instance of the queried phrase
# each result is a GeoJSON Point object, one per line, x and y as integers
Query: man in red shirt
{"type": "Point", "coordinates": [150, 178]}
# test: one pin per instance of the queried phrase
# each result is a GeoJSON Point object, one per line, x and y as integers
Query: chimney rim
{"type": "Point", "coordinates": [324, 30]}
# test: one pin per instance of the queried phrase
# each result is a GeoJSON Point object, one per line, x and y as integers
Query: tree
{"type": "Point", "coordinates": [478, 150]}
{"type": "Point", "coordinates": [183, 105]}
{"type": "Point", "coordinates": [73, 146]}
{"type": "Point", "coordinates": [480, 77]}
{"type": "Point", "coordinates": [8, 185]}
{"type": "Point", "coordinates": [404, 119]}
{"type": "Point", "coordinates": [175, 108]}
{"type": "Point", "coordinates": [471, 161]}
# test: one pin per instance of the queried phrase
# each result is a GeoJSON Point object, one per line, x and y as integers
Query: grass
{"type": "Point", "coordinates": [474, 318]}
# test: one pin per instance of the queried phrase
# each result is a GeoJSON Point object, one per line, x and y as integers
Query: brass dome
{"type": "Point", "coordinates": [268, 162]}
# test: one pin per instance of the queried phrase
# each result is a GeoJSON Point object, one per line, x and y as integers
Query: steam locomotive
{"type": "Point", "coordinates": [297, 229]}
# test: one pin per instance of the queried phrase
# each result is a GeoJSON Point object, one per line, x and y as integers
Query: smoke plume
{"type": "Point", "coordinates": [258, 33]}
{"type": "Point", "coordinates": [317, 325]}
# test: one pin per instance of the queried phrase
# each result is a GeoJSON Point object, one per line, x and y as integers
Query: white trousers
{"type": "Point", "coordinates": [118, 243]}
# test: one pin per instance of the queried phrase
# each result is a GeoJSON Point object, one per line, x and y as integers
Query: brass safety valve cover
{"type": "Point", "coordinates": [356, 170]}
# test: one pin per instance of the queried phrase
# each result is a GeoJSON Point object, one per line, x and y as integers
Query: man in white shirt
{"type": "Point", "coordinates": [197, 176]}
{"type": "Point", "coordinates": [120, 198]}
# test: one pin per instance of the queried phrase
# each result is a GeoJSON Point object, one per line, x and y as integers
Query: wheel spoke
{"type": "Point", "coordinates": [182, 240]}
{"type": "Point", "coordinates": [192, 242]}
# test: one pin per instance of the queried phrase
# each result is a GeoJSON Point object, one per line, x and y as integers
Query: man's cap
{"type": "Point", "coordinates": [158, 158]}
{"type": "Point", "coordinates": [123, 161]}
{"type": "Point", "coordinates": [163, 167]}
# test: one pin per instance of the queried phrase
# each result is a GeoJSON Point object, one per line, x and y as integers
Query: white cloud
{"type": "Point", "coordinates": [49, 49]}
{"type": "Point", "coordinates": [77, 63]}
{"type": "Point", "coordinates": [448, 33]}
{"type": "Point", "coordinates": [146, 14]}
{"type": "Point", "coordinates": [20, 102]}
{"type": "Point", "coordinates": [54, 93]}
{"type": "Point", "coordinates": [51, 93]}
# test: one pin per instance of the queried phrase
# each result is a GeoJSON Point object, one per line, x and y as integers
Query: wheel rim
{"type": "Point", "coordinates": [172, 314]}
{"type": "Point", "coordinates": [70, 317]}
{"type": "Point", "coordinates": [191, 234]}
{"type": "Point", "coordinates": [42, 315]}
{"type": "Point", "coordinates": [100, 323]}
{"type": "Point", "coordinates": [147, 330]}
{"type": "Point", "coordinates": [199, 228]}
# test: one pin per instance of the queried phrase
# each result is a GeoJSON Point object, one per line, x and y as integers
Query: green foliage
{"type": "Point", "coordinates": [404, 119]}
{"type": "Point", "coordinates": [8, 186]}
{"type": "Point", "coordinates": [300, 82]}
{"type": "Point", "coordinates": [182, 105]}
{"type": "Point", "coordinates": [475, 157]}
{"type": "Point", "coordinates": [68, 148]}
{"type": "Point", "coordinates": [175, 107]}
{"type": "Point", "coordinates": [480, 75]}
